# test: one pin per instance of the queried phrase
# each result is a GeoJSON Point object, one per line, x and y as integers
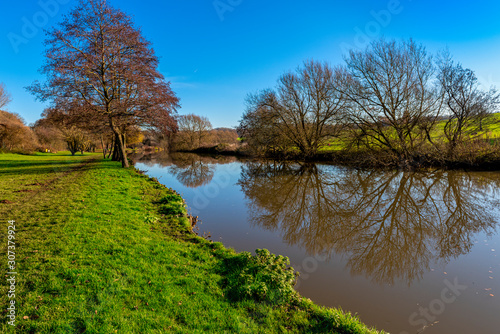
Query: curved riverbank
{"type": "Point", "coordinates": [106, 249]}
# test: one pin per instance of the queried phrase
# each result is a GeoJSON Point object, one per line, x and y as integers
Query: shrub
{"type": "Point", "coordinates": [264, 277]}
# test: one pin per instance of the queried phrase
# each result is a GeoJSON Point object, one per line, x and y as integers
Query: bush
{"type": "Point", "coordinates": [264, 277]}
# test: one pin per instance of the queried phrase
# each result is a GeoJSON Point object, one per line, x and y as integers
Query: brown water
{"type": "Point", "coordinates": [408, 252]}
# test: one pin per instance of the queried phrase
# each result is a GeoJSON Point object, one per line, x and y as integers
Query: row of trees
{"type": "Point", "coordinates": [390, 97]}
{"type": "Point", "coordinates": [58, 130]}
{"type": "Point", "coordinates": [196, 132]}
{"type": "Point", "coordinates": [15, 135]}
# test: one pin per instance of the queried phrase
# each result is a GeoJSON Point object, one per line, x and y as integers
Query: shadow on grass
{"type": "Point", "coordinates": [9, 167]}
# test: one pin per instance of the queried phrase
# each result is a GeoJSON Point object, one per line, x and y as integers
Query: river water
{"type": "Point", "coordinates": [408, 252]}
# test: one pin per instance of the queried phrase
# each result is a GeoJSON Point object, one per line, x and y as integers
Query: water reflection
{"type": "Point", "coordinates": [389, 225]}
{"type": "Point", "coordinates": [191, 170]}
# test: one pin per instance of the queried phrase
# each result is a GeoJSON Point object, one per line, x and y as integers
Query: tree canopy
{"type": "Point", "coordinates": [100, 69]}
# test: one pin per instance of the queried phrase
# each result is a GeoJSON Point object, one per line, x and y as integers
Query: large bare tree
{"type": "Point", "coordinates": [100, 67]}
{"type": "Point", "coordinates": [391, 96]}
{"type": "Point", "coordinates": [305, 110]}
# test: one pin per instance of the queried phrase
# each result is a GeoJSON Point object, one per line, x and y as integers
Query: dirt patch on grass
{"type": "Point", "coordinates": [6, 201]}
{"type": "Point", "coordinates": [36, 184]}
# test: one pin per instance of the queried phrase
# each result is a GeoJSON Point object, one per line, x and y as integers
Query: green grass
{"type": "Point", "coordinates": [101, 249]}
{"type": "Point", "coordinates": [491, 130]}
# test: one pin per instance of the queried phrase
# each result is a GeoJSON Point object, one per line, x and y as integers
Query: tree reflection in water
{"type": "Point", "coordinates": [390, 225]}
{"type": "Point", "coordinates": [191, 170]}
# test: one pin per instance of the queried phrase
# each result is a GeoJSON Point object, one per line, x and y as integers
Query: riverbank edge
{"type": "Point", "coordinates": [177, 225]}
{"type": "Point", "coordinates": [189, 223]}
{"type": "Point", "coordinates": [363, 159]}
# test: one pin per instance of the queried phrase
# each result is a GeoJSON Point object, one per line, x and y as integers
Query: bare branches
{"type": "Point", "coordinates": [99, 66]}
{"type": "Point", "coordinates": [305, 110]}
{"type": "Point", "coordinates": [391, 98]}
{"type": "Point", "coordinates": [465, 103]}
{"type": "Point", "coordinates": [5, 97]}
{"type": "Point", "coordinates": [192, 130]}
{"type": "Point", "coordinates": [391, 95]}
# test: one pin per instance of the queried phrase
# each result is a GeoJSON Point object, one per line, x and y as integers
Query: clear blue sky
{"type": "Point", "coordinates": [214, 56]}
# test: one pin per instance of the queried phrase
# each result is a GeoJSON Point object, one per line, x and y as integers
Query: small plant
{"type": "Point", "coordinates": [151, 219]}
{"type": "Point", "coordinates": [263, 277]}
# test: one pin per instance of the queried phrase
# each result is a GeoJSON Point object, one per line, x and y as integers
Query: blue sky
{"type": "Point", "coordinates": [216, 52]}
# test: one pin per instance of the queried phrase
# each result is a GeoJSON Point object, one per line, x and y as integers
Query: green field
{"type": "Point", "coordinates": [491, 131]}
{"type": "Point", "coordinates": [101, 249]}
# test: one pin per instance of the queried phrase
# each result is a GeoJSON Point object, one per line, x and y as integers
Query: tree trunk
{"type": "Point", "coordinates": [111, 147]}
{"type": "Point", "coordinates": [122, 151]}
{"type": "Point", "coordinates": [116, 150]}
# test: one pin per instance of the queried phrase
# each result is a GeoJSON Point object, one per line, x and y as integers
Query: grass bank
{"type": "Point", "coordinates": [101, 249]}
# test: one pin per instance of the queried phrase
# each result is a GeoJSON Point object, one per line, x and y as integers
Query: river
{"type": "Point", "coordinates": [408, 252]}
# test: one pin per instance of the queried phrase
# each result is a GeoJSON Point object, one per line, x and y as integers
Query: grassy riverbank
{"type": "Point", "coordinates": [101, 249]}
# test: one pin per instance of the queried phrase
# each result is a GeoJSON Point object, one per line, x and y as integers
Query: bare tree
{"type": "Point", "coordinates": [100, 67]}
{"type": "Point", "coordinates": [5, 97]}
{"type": "Point", "coordinates": [193, 129]}
{"type": "Point", "coordinates": [306, 109]}
{"type": "Point", "coordinates": [75, 139]}
{"type": "Point", "coordinates": [393, 102]}
{"type": "Point", "coordinates": [466, 104]}
{"type": "Point", "coordinates": [260, 127]}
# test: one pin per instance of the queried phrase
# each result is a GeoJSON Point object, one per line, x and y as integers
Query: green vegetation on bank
{"type": "Point", "coordinates": [490, 131]}
{"type": "Point", "coordinates": [102, 249]}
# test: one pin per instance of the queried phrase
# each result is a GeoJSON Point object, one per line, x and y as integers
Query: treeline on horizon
{"type": "Point", "coordinates": [55, 132]}
{"type": "Point", "coordinates": [392, 104]}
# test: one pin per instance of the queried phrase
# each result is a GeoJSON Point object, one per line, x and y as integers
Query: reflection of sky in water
{"type": "Point", "coordinates": [380, 273]}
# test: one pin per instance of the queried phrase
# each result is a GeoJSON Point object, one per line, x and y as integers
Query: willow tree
{"type": "Point", "coordinates": [100, 67]}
